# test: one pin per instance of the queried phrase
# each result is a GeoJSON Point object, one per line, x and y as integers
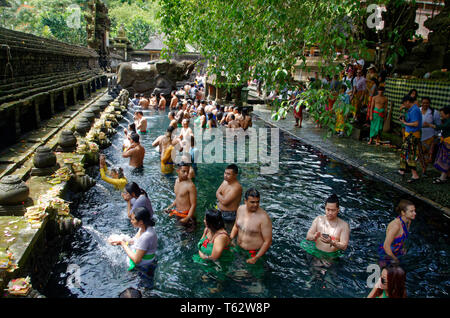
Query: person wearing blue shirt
{"type": "Point", "coordinates": [411, 147]}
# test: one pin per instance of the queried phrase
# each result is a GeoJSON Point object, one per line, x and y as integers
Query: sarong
{"type": "Point", "coordinates": [310, 248]}
{"type": "Point", "coordinates": [411, 151]}
{"type": "Point", "coordinates": [442, 162]}
{"type": "Point", "coordinates": [376, 125]}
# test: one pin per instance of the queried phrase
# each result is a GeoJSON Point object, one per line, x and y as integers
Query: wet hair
{"type": "Point", "coordinates": [132, 187]}
{"type": "Point", "coordinates": [139, 112]}
{"type": "Point", "coordinates": [214, 220]}
{"type": "Point", "coordinates": [252, 192]}
{"type": "Point", "coordinates": [135, 137]}
{"type": "Point", "coordinates": [233, 167]}
{"type": "Point", "coordinates": [396, 282]}
{"type": "Point", "coordinates": [153, 95]}
{"type": "Point", "coordinates": [183, 164]}
{"type": "Point", "coordinates": [219, 116]}
{"type": "Point", "coordinates": [142, 214]}
{"type": "Point", "coordinates": [402, 206]}
{"type": "Point", "coordinates": [130, 293]}
{"type": "Point", "coordinates": [170, 129]}
{"type": "Point", "coordinates": [132, 127]}
{"type": "Point", "coordinates": [119, 172]}
{"type": "Point", "coordinates": [172, 113]}
{"type": "Point", "coordinates": [408, 98]}
{"type": "Point", "coordinates": [333, 199]}
{"type": "Point", "coordinates": [173, 92]}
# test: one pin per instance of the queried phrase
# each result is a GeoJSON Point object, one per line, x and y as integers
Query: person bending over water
{"type": "Point", "coordinates": [392, 283]}
{"type": "Point", "coordinates": [396, 234]}
{"type": "Point", "coordinates": [185, 197]}
{"type": "Point", "coordinates": [215, 242]}
{"type": "Point", "coordinates": [329, 232]}
{"type": "Point", "coordinates": [117, 178]}
{"type": "Point", "coordinates": [229, 195]}
{"type": "Point", "coordinates": [253, 227]}
{"type": "Point", "coordinates": [144, 244]}
{"type": "Point", "coordinates": [135, 152]}
{"type": "Point", "coordinates": [135, 198]}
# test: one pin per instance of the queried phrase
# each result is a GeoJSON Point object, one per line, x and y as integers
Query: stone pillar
{"type": "Point", "coordinates": [17, 120]}
{"type": "Point", "coordinates": [52, 103]}
{"type": "Point", "coordinates": [64, 92]}
{"type": "Point", "coordinates": [36, 112]}
{"type": "Point", "coordinates": [74, 91]}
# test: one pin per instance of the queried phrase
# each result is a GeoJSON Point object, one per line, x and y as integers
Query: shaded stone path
{"type": "Point", "coordinates": [380, 162]}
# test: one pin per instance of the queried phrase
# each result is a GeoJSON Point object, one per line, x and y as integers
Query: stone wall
{"type": "Point", "coordinates": [40, 77]}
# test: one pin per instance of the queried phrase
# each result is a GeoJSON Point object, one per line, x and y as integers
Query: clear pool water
{"type": "Point", "coordinates": [293, 198]}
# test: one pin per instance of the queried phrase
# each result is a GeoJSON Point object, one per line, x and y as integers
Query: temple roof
{"type": "Point", "coordinates": [156, 44]}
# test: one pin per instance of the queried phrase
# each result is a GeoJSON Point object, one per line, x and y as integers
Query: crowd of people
{"type": "Point", "coordinates": [425, 130]}
{"type": "Point", "coordinates": [232, 228]}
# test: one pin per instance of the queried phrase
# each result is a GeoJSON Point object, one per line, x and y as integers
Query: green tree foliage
{"type": "Point", "coordinates": [139, 20]}
{"type": "Point", "coordinates": [54, 19]}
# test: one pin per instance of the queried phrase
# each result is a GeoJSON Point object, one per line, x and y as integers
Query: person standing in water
{"type": "Point", "coordinates": [329, 233]}
{"type": "Point", "coordinates": [117, 178]}
{"type": "Point", "coordinates": [141, 254]}
{"type": "Point", "coordinates": [253, 228]}
{"type": "Point", "coordinates": [185, 197]}
{"type": "Point", "coordinates": [229, 195]}
{"type": "Point", "coordinates": [396, 233]}
{"type": "Point", "coordinates": [162, 102]}
{"type": "Point", "coordinates": [135, 152]}
{"type": "Point", "coordinates": [135, 198]}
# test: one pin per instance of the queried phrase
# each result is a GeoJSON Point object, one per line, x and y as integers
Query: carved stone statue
{"type": "Point", "coordinates": [157, 77]}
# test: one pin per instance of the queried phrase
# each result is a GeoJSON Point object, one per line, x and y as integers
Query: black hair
{"type": "Point", "coordinates": [245, 111]}
{"type": "Point", "coordinates": [130, 293]}
{"type": "Point", "coordinates": [427, 98]}
{"type": "Point", "coordinates": [413, 90]}
{"type": "Point", "coordinates": [119, 172]}
{"type": "Point", "coordinates": [135, 137]}
{"type": "Point", "coordinates": [172, 113]}
{"type": "Point", "coordinates": [214, 220]}
{"type": "Point", "coordinates": [233, 167]}
{"type": "Point", "coordinates": [252, 192]}
{"type": "Point", "coordinates": [132, 127]}
{"type": "Point", "coordinates": [210, 115]}
{"type": "Point", "coordinates": [170, 129]}
{"type": "Point", "coordinates": [139, 112]}
{"type": "Point", "coordinates": [232, 116]}
{"type": "Point", "coordinates": [142, 214]}
{"type": "Point", "coordinates": [408, 98]}
{"type": "Point", "coordinates": [333, 199]}
{"type": "Point", "coordinates": [132, 187]}
{"type": "Point", "coordinates": [183, 164]}
{"type": "Point", "coordinates": [445, 110]}
{"type": "Point", "coordinates": [219, 116]}
{"type": "Point", "coordinates": [173, 92]}
{"type": "Point", "coordinates": [192, 141]}
{"type": "Point", "coordinates": [153, 94]}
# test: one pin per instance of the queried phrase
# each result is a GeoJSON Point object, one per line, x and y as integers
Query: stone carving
{"type": "Point", "coordinates": [67, 141]}
{"type": "Point", "coordinates": [83, 126]}
{"type": "Point", "coordinates": [44, 162]}
{"type": "Point", "coordinates": [13, 190]}
{"type": "Point", "coordinates": [153, 77]}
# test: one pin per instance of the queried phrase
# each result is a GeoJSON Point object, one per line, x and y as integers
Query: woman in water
{"type": "Point", "coordinates": [212, 123]}
{"type": "Point", "coordinates": [396, 233]}
{"type": "Point", "coordinates": [391, 283]}
{"type": "Point", "coordinates": [142, 253]}
{"type": "Point", "coordinates": [215, 242]}
{"type": "Point", "coordinates": [136, 197]}
{"type": "Point", "coordinates": [116, 178]}
{"type": "Point", "coordinates": [127, 133]}
{"type": "Point", "coordinates": [200, 121]}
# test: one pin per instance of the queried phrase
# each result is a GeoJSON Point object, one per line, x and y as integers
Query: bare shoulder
{"type": "Point", "coordinates": [264, 215]}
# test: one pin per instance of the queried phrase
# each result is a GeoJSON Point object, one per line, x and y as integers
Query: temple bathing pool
{"type": "Point", "coordinates": [293, 197]}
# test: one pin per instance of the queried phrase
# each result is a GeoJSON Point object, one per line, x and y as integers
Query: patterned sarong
{"type": "Point", "coordinates": [442, 162]}
{"type": "Point", "coordinates": [411, 151]}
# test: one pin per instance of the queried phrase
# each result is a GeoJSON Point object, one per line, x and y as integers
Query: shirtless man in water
{"type": "Point", "coordinates": [253, 227]}
{"type": "Point", "coordinates": [329, 232]}
{"type": "Point", "coordinates": [135, 152]}
{"type": "Point", "coordinates": [173, 101]}
{"type": "Point", "coordinates": [185, 197]}
{"type": "Point", "coordinates": [229, 195]}
{"type": "Point", "coordinates": [143, 102]}
{"type": "Point", "coordinates": [140, 122]}
{"type": "Point", "coordinates": [162, 102]}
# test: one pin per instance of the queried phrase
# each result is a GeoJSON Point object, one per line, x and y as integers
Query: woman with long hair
{"type": "Point", "coordinates": [136, 197]}
{"type": "Point", "coordinates": [215, 242]}
{"type": "Point", "coordinates": [392, 283]}
{"type": "Point", "coordinates": [141, 254]}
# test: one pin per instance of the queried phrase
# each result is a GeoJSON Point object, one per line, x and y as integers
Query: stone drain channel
{"type": "Point", "coordinates": [34, 215]}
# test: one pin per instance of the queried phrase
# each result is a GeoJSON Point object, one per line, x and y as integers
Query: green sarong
{"type": "Point", "coordinates": [310, 248]}
{"type": "Point", "coordinates": [376, 125]}
{"type": "Point", "coordinates": [132, 265]}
